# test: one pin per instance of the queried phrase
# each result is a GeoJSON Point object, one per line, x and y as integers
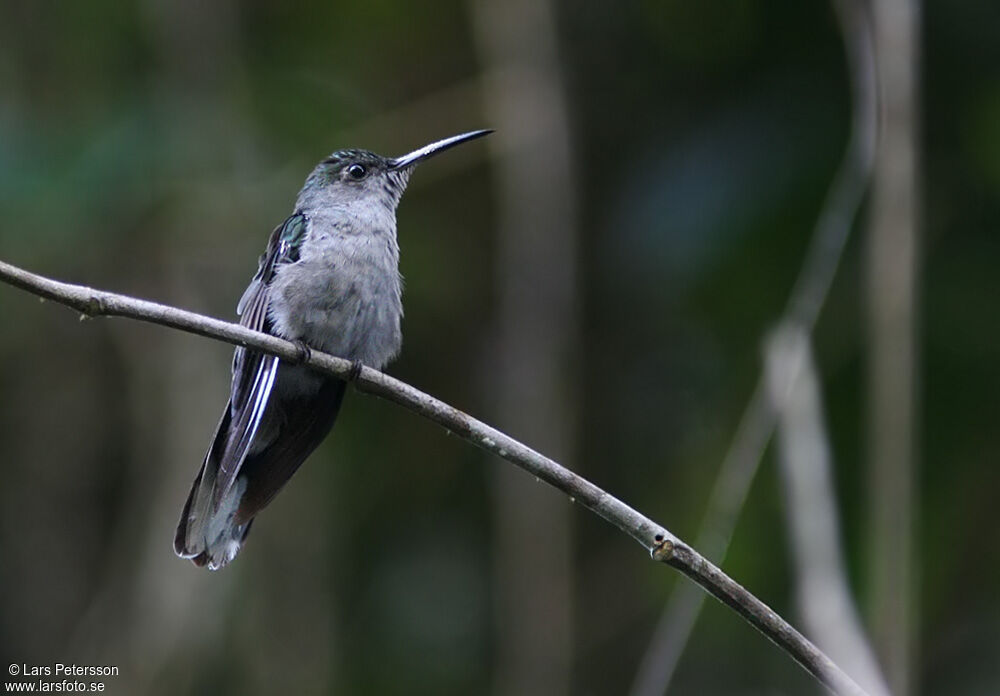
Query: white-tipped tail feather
{"type": "Point", "coordinates": [207, 537]}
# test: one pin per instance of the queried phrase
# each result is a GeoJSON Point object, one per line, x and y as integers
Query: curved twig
{"type": "Point", "coordinates": [661, 544]}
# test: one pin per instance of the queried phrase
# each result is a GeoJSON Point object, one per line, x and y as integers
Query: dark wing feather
{"type": "Point", "coordinates": [306, 423]}
{"type": "Point", "coordinates": [253, 372]}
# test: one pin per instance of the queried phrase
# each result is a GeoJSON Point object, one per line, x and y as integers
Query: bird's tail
{"type": "Point", "coordinates": [211, 534]}
{"type": "Point", "coordinates": [212, 530]}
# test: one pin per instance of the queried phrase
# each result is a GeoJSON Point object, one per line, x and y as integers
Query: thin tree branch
{"type": "Point", "coordinates": [661, 544]}
{"type": "Point", "coordinates": [739, 467]}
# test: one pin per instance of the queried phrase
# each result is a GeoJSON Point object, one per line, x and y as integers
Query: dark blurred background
{"type": "Point", "coordinates": [596, 278]}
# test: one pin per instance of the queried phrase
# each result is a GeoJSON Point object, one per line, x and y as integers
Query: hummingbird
{"type": "Point", "coordinates": [329, 280]}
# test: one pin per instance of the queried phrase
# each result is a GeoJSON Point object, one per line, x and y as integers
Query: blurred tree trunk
{"type": "Point", "coordinates": [892, 283]}
{"type": "Point", "coordinates": [532, 388]}
{"type": "Point", "coordinates": [203, 89]}
{"type": "Point", "coordinates": [173, 615]}
{"type": "Point", "coordinates": [155, 608]}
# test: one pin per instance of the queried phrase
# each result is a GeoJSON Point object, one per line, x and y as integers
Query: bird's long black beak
{"type": "Point", "coordinates": [434, 148]}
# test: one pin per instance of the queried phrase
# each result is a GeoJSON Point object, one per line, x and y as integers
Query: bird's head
{"type": "Point", "coordinates": [352, 177]}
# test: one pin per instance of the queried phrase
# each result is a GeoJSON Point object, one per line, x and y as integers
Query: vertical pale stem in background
{"type": "Point", "coordinates": [892, 269]}
{"type": "Point", "coordinates": [532, 389]}
{"type": "Point", "coordinates": [823, 594]}
{"type": "Point", "coordinates": [739, 468]}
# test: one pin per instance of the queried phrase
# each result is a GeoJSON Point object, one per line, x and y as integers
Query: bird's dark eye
{"type": "Point", "coordinates": [356, 172]}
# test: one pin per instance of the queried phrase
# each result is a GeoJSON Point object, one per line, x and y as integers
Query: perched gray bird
{"type": "Point", "coordinates": [329, 279]}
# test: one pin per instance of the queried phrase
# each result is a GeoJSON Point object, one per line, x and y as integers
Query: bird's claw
{"type": "Point", "coordinates": [305, 352]}
{"type": "Point", "coordinates": [355, 371]}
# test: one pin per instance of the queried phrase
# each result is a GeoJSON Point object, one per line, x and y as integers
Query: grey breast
{"type": "Point", "coordinates": [343, 296]}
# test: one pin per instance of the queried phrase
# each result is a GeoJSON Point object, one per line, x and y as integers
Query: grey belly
{"type": "Point", "coordinates": [356, 319]}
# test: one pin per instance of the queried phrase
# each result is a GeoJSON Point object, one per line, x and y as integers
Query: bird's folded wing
{"type": "Point", "coordinates": [253, 372]}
